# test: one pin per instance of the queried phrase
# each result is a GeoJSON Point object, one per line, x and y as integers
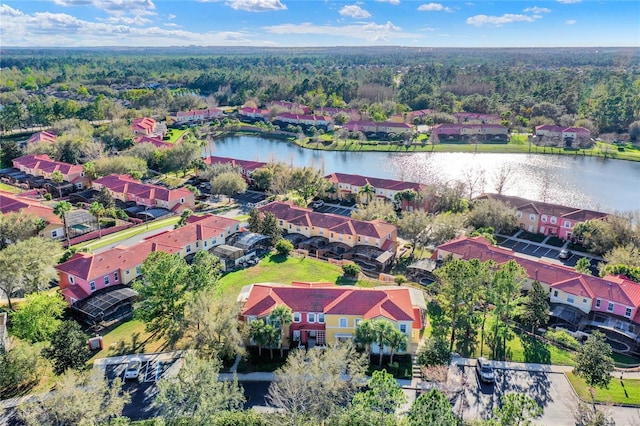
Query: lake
{"type": "Point", "coordinates": [577, 181]}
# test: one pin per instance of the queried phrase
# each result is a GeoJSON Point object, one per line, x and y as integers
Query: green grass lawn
{"type": "Point", "coordinates": [175, 134]}
{"type": "Point", "coordinates": [523, 348]}
{"type": "Point", "coordinates": [128, 338]}
{"type": "Point", "coordinates": [277, 269]}
{"type": "Point", "coordinates": [626, 391]}
{"type": "Point", "coordinates": [9, 188]}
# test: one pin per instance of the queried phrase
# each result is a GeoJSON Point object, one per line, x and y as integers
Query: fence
{"type": "Point", "coordinates": [94, 234]}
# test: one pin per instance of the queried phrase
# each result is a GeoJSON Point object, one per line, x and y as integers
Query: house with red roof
{"type": "Point", "coordinates": [477, 118]}
{"type": "Point", "coordinates": [546, 218]}
{"type": "Point", "coordinates": [483, 132]}
{"type": "Point", "coordinates": [41, 137]}
{"type": "Point", "coordinates": [144, 126]}
{"type": "Point", "coordinates": [42, 165]}
{"type": "Point", "coordinates": [307, 120]}
{"type": "Point", "coordinates": [324, 313]}
{"type": "Point", "coordinates": [371, 244]}
{"type": "Point", "coordinates": [156, 141]}
{"type": "Point", "coordinates": [566, 135]}
{"type": "Point", "coordinates": [349, 185]}
{"type": "Point", "coordinates": [386, 127]}
{"type": "Point", "coordinates": [581, 302]}
{"type": "Point", "coordinates": [12, 203]}
{"type": "Point", "coordinates": [294, 107]}
{"type": "Point", "coordinates": [253, 114]}
{"type": "Point", "coordinates": [198, 115]}
{"type": "Point", "coordinates": [246, 167]}
{"type": "Point", "coordinates": [125, 188]}
{"type": "Point", "coordinates": [84, 274]}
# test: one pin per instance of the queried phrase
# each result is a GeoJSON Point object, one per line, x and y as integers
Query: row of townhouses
{"type": "Point", "coordinates": [466, 131]}
{"type": "Point", "coordinates": [43, 166]}
{"type": "Point", "coordinates": [566, 134]}
{"type": "Point", "coordinates": [578, 301]}
{"type": "Point", "coordinates": [12, 203]}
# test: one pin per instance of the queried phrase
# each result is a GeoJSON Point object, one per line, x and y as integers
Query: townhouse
{"type": "Point", "coordinates": [86, 275]}
{"type": "Point", "coordinates": [327, 314]}
{"type": "Point", "coordinates": [546, 218]}
{"type": "Point", "coordinates": [11, 203]}
{"type": "Point", "coordinates": [562, 135]}
{"type": "Point", "coordinates": [125, 188]}
{"type": "Point", "coordinates": [579, 302]}
{"type": "Point", "coordinates": [43, 166]}
{"type": "Point", "coordinates": [198, 115]}
{"type": "Point", "coordinates": [465, 132]}
{"type": "Point", "coordinates": [144, 126]}
{"type": "Point", "coordinates": [306, 120]}
{"type": "Point", "coordinates": [379, 127]}
{"type": "Point", "coordinates": [293, 107]}
{"type": "Point", "coordinates": [41, 137]}
{"type": "Point", "coordinates": [477, 118]}
{"type": "Point", "coordinates": [253, 114]}
{"type": "Point", "coordinates": [246, 167]}
{"type": "Point", "coordinates": [350, 186]}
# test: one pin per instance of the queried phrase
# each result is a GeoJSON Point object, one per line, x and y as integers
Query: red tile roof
{"type": "Point", "coordinates": [248, 165]}
{"type": "Point", "coordinates": [145, 123]}
{"type": "Point", "coordinates": [42, 137]}
{"type": "Point", "coordinates": [11, 203]}
{"type": "Point", "coordinates": [125, 184]}
{"type": "Point", "coordinates": [44, 163]}
{"type": "Point", "coordinates": [358, 180]}
{"type": "Point", "coordinates": [538, 207]}
{"type": "Point", "coordinates": [157, 142]}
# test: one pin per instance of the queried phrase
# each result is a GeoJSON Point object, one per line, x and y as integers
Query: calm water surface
{"type": "Point", "coordinates": [583, 182]}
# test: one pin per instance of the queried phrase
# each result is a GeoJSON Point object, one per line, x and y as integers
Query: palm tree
{"type": "Point", "coordinates": [89, 170]}
{"type": "Point", "coordinates": [365, 335]}
{"type": "Point", "coordinates": [97, 210]}
{"type": "Point", "coordinates": [61, 209]}
{"type": "Point", "coordinates": [257, 331]}
{"type": "Point", "coordinates": [397, 341]}
{"type": "Point", "coordinates": [280, 317]}
{"type": "Point", "coordinates": [57, 177]}
{"type": "Point", "coordinates": [368, 191]}
{"type": "Point", "coordinates": [382, 329]}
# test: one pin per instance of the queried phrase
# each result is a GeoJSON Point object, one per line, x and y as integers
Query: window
{"type": "Point", "coordinates": [311, 317]}
{"type": "Point", "coordinates": [543, 218]}
{"type": "Point", "coordinates": [205, 243]}
{"type": "Point", "coordinates": [54, 234]}
{"type": "Point", "coordinates": [92, 285]}
{"type": "Point", "coordinates": [567, 224]}
{"type": "Point", "coordinates": [138, 270]}
{"type": "Point", "coordinates": [553, 219]}
{"type": "Point", "coordinates": [297, 317]}
{"type": "Point", "coordinates": [127, 272]}
{"type": "Point", "coordinates": [532, 217]}
{"type": "Point", "coordinates": [321, 318]}
{"type": "Point", "coordinates": [584, 301]}
{"type": "Point", "coordinates": [188, 248]}
{"type": "Point", "coordinates": [627, 313]}
{"type": "Point", "coordinates": [610, 307]}
{"type": "Point", "coordinates": [570, 299]}
{"type": "Point", "coordinates": [343, 323]}
{"type": "Point", "coordinates": [197, 244]}
{"type": "Point", "coordinates": [598, 302]}
{"type": "Point", "coordinates": [555, 293]}
{"type": "Point", "coordinates": [403, 328]}
{"type": "Point", "coordinates": [356, 322]}
{"type": "Point", "coordinates": [519, 214]}
{"type": "Point", "coordinates": [71, 279]}
{"type": "Point", "coordinates": [116, 278]}
{"type": "Point", "coordinates": [182, 200]}
{"type": "Point", "coordinates": [106, 280]}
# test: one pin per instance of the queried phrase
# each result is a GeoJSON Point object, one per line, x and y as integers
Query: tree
{"type": "Point", "coordinates": [27, 266]}
{"type": "Point", "coordinates": [397, 341]}
{"type": "Point", "coordinates": [265, 224]}
{"type": "Point", "coordinates": [535, 311]}
{"type": "Point", "coordinates": [105, 199]}
{"type": "Point", "coordinates": [442, 227]}
{"type": "Point", "coordinates": [19, 226]}
{"type": "Point", "coordinates": [502, 177]}
{"type": "Point", "coordinates": [368, 191]}
{"type": "Point", "coordinates": [350, 270]}
{"type": "Point", "coordinates": [383, 397]}
{"type": "Point", "coordinates": [506, 285]}
{"type": "Point", "coordinates": [377, 209]}
{"type": "Point", "coordinates": [262, 178]}
{"type": "Point", "coordinates": [583, 266]}
{"type": "Point", "coordinates": [280, 317]}
{"type": "Point", "coordinates": [308, 183]}
{"type": "Point", "coordinates": [434, 351]}
{"type": "Point", "coordinates": [284, 247]}
{"type": "Point", "coordinates": [634, 131]}
{"type": "Point", "coordinates": [594, 362]}
{"type": "Point", "coordinates": [79, 399]}
{"type": "Point", "coordinates": [365, 335]}
{"type": "Point", "coordinates": [432, 408]}
{"type": "Point", "coordinates": [382, 329]}
{"type": "Point", "coordinates": [412, 225]}
{"type": "Point", "coordinates": [19, 369]}
{"type": "Point", "coordinates": [517, 409]}
{"type": "Point", "coordinates": [181, 156]}
{"type": "Point", "coordinates": [89, 170]}
{"type": "Point", "coordinates": [314, 384]}
{"type": "Point", "coordinates": [197, 393]}
{"type": "Point", "coordinates": [492, 213]}
{"type": "Point", "coordinates": [121, 164]}
{"type": "Point", "coordinates": [212, 325]}
{"type": "Point", "coordinates": [97, 210]}
{"type": "Point", "coordinates": [38, 317]}
{"type": "Point", "coordinates": [184, 215]}
{"type": "Point", "coordinates": [228, 183]}
{"type": "Point", "coordinates": [57, 177]}
{"type": "Point", "coordinates": [61, 209]}
{"type": "Point", "coordinates": [68, 348]}
{"type": "Point", "coordinates": [590, 415]}
{"type": "Point", "coordinates": [262, 334]}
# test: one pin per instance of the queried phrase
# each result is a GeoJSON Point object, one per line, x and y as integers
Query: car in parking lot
{"type": "Point", "coordinates": [317, 204]}
{"type": "Point", "coordinates": [564, 254]}
{"type": "Point", "coordinates": [133, 369]}
{"type": "Point", "coordinates": [485, 370]}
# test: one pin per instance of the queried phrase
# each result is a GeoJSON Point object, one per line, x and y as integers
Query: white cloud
{"type": "Point", "coordinates": [507, 18]}
{"type": "Point", "coordinates": [569, 1]}
{"type": "Point", "coordinates": [171, 16]}
{"type": "Point", "coordinates": [8, 11]}
{"type": "Point", "coordinates": [171, 24]}
{"type": "Point", "coordinates": [571, 22]}
{"type": "Point", "coordinates": [370, 32]}
{"type": "Point", "coordinates": [71, 3]}
{"type": "Point", "coordinates": [537, 10]}
{"type": "Point", "coordinates": [433, 7]}
{"type": "Point", "coordinates": [135, 20]}
{"type": "Point", "coordinates": [389, 1]}
{"type": "Point", "coordinates": [355, 12]}
{"type": "Point", "coordinates": [256, 5]}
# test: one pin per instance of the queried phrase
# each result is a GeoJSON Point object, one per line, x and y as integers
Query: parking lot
{"type": "Point", "coordinates": [330, 208]}
{"type": "Point", "coordinates": [151, 371]}
{"type": "Point", "coordinates": [531, 248]}
{"type": "Point", "coordinates": [250, 197]}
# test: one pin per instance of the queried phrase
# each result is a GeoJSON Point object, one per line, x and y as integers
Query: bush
{"type": "Point", "coordinates": [284, 247]}
{"type": "Point", "coordinates": [351, 270]}
{"type": "Point", "coordinates": [434, 351]}
{"type": "Point", "coordinates": [563, 338]}
{"type": "Point", "coordinates": [48, 196]}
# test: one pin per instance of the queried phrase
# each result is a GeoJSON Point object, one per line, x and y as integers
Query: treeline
{"type": "Point", "coordinates": [525, 86]}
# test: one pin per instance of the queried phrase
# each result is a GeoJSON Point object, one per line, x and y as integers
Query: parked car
{"type": "Point", "coordinates": [564, 254]}
{"type": "Point", "coordinates": [317, 204]}
{"type": "Point", "coordinates": [485, 370]}
{"type": "Point", "coordinates": [133, 369]}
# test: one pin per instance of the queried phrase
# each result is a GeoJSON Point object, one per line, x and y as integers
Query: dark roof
{"type": "Point", "coordinates": [249, 239]}
{"type": "Point", "coordinates": [103, 300]}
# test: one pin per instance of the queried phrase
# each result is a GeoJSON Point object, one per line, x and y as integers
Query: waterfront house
{"type": "Point", "coordinates": [246, 167]}
{"type": "Point", "coordinates": [198, 115]}
{"type": "Point", "coordinates": [324, 313]}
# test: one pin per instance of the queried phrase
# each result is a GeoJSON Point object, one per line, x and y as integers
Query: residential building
{"type": "Point", "coordinates": [386, 127]}
{"type": "Point", "coordinates": [125, 188]}
{"type": "Point", "coordinates": [254, 114]}
{"type": "Point", "coordinates": [350, 186]}
{"type": "Point", "coordinates": [156, 141]}
{"type": "Point", "coordinates": [324, 313]}
{"type": "Point", "coordinates": [198, 115]}
{"type": "Point", "coordinates": [411, 117]}
{"type": "Point", "coordinates": [483, 132]}
{"type": "Point", "coordinates": [306, 120]}
{"type": "Point", "coordinates": [41, 137]}
{"type": "Point", "coordinates": [144, 126]}
{"type": "Point", "coordinates": [476, 118]}
{"type": "Point", "coordinates": [578, 301]}
{"type": "Point", "coordinates": [11, 203]}
{"type": "Point", "coordinates": [293, 107]}
{"type": "Point", "coordinates": [546, 218]}
{"type": "Point", "coordinates": [246, 167]}
{"type": "Point", "coordinates": [42, 165]}
{"type": "Point", "coordinates": [562, 135]}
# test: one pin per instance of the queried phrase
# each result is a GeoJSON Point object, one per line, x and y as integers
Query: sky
{"type": "Point", "coordinates": [479, 23]}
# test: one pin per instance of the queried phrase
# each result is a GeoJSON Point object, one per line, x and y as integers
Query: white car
{"type": "Point", "coordinates": [485, 370]}
{"type": "Point", "coordinates": [133, 369]}
{"type": "Point", "coordinates": [317, 204]}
